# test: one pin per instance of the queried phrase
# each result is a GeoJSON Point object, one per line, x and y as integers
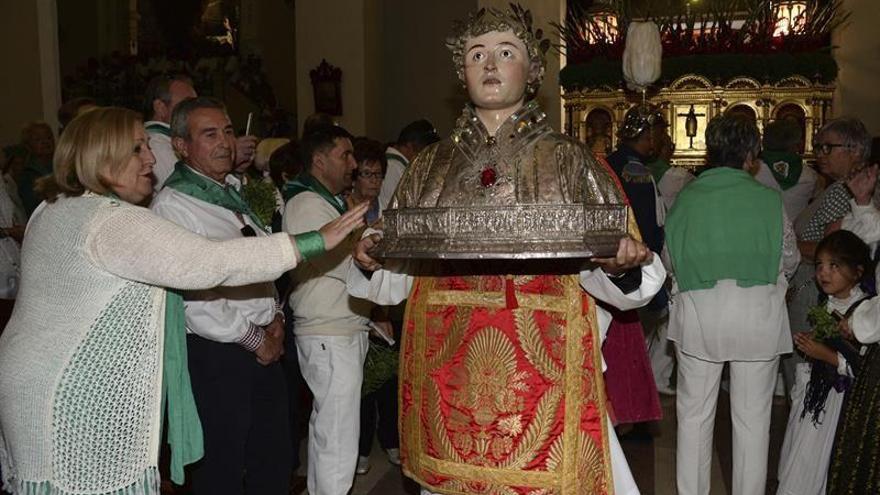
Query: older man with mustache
{"type": "Point", "coordinates": [235, 334]}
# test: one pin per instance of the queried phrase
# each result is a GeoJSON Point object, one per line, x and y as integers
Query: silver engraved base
{"type": "Point", "coordinates": [506, 232]}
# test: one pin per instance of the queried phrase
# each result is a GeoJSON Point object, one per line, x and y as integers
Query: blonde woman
{"type": "Point", "coordinates": [82, 374]}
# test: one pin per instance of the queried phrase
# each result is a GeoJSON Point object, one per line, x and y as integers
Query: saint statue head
{"type": "Point", "coordinates": [498, 57]}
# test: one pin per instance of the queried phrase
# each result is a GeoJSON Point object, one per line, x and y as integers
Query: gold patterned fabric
{"type": "Point", "coordinates": [501, 387]}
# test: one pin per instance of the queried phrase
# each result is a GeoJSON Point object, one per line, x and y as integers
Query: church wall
{"type": "Point", "coordinates": [418, 78]}
{"type": "Point", "coordinates": [29, 51]}
{"type": "Point", "coordinates": [858, 55]}
{"type": "Point", "coordinates": [334, 31]}
{"type": "Point", "coordinates": [271, 35]}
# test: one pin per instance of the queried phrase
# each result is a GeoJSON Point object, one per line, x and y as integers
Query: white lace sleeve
{"type": "Point", "coordinates": [134, 243]}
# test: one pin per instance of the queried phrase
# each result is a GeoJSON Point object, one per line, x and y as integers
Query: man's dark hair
{"type": "Point", "coordinates": [284, 161]}
{"type": "Point", "coordinates": [782, 135]}
{"type": "Point", "coordinates": [159, 88]}
{"type": "Point", "coordinates": [730, 139]}
{"type": "Point", "coordinates": [320, 140]}
{"type": "Point", "coordinates": [420, 133]}
{"type": "Point", "coordinates": [316, 121]}
{"type": "Point", "coordinates": [369, 150]}
{"type": "Point", "coordinates": [180, 117]}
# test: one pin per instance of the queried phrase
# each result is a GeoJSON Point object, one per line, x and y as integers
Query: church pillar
{"type": "Point", "coordinates": [30, 85]}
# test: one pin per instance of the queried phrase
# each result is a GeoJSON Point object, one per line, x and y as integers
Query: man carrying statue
{"type": "Point", "coordinates": [501, 387]}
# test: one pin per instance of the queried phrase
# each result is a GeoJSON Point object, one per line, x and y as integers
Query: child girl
{"type": "Point", "coordinates": [855, 461]}
{"type": "Point", "coordinates": [842, 262]}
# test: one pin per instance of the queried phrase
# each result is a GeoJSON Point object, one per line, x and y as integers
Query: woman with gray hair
{"type": "Point", "coordinates": [731, 247]}
{"type": "Point", "coordinates": [842, 148]}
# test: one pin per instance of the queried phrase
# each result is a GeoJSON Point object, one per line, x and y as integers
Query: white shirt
{"type": "Point", "coordinates": [221, 314]}
{"type": "Point", "coordinates": [796, 197]}
{"type": "Point", "coordinates": [672, 182]}
{"type": "Point", "coordinates": [393, 173]}
{"type": "Point", "coordinates": [160, 144]}
{"type": "Point", "coordinates": [732, 323]}
{"type": "Point", "coordinates": [321, 305]}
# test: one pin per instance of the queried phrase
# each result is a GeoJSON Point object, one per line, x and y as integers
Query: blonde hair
{"type": "Point", "coordinates": [93, 148]}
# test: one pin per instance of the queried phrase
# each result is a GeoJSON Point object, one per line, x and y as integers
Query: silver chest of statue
{"type": "Point", "coordinates": [525, 193]}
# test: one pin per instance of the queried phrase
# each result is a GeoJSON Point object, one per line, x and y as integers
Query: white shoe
{"type": "Point", "coordinates": [363, 465]}
{"type": "Point", "coordinates": [394, 456]}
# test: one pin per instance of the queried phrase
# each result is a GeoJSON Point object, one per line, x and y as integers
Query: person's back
{"type": "Point", "coordinates": [730, 245]}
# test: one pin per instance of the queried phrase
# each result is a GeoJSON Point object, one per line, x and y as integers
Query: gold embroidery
{"type": "Point", "coordinates": [591, 476]}
{"type": "Point", "coordinates": [535, 351]}
{"type": "Point", "coordinates": [452, 339]}
{"type": "Point", "coordinates": [463, 449]}
{"type": "Point", "coordinates": [554, 457]}
{"type": "Point", "coordinates": [511, 425]}
{"type": "Point", "coordinates": [459, 298]}
{"type": "Point", "coordinates": [538, 430]}
{"type": "Point", "coordinates": [504, 477]}
{"type": "Point", "coordinates": [632, 227]}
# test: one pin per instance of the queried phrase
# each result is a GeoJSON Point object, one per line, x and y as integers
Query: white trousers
{"type": "Point", "coordinates": [333, 367]}
{"type": "Point", "coordinates": [751, 398]}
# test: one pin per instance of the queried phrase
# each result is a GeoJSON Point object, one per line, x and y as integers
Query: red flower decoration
{"type": "Point", "coordinates": [488, 177]}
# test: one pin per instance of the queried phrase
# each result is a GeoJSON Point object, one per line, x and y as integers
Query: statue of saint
{"type": "Point", "coordinates": [501, 385]}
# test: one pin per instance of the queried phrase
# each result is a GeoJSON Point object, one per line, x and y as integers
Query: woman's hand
{"type": "Point", "coordinates": [861, 185]}
{"type": "Point", "coordinates": [337, 230]}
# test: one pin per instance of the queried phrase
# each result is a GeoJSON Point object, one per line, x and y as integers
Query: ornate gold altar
{"type": "Point", "coordinates": [595, 115]}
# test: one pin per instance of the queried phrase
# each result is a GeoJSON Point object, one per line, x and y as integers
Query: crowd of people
{"type": "Point", "coordinates": [166, 281]}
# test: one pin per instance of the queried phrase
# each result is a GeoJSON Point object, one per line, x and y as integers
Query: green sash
{"type": "Point", "coordinates": [306, 182]}
{"type": "Point", "coordinates": [725, 225]}
{"type": "Point", "coordinates": [658, 167]}
{"type": "Point", "coordinates": [159, 129]}
{"type": "Point", "coordinates": [184, 427]}
{"type": "Point", "coordinates": [786, 167]}
{"type": "Point", "coordinates": [187, 181]}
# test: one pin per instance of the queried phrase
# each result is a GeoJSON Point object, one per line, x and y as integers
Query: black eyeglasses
{"type": "Point", "coordinates": [827, 148]}
{"type": "Point", "coordinates": [371, 175]}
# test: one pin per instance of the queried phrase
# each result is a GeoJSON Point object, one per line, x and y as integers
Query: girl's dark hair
{"type": "Point", "coordinates": [849, 250]}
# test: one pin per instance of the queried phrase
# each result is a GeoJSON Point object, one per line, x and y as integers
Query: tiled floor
{"type": "Point", "coordinates": [651, 455]}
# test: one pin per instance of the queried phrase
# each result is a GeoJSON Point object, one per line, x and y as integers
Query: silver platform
{"type": "Point", "coordinates": [510, 232]}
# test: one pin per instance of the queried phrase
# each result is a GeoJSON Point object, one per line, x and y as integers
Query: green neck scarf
{"type": "Point", "coordinates": [658, 167]}
{"type": "Point", "coordinates": [306, 182]}
{"type": "Point", "coordinates": [187, 181]}
{"type": "Point", "coordinates": [786, 167]}
{"type": "Point", "coordinates": [184, 426]}
{"type": "Point", "coordinates": [725, 225]}
{"type": "Point", "coordinates": [158, 128]}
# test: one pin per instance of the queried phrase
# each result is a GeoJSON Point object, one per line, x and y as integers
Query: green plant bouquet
{"type": "Point", "coordinates": [379, 367]}
{"type": "Point", "coordinates": [824, 324]}
{"type": "Point", "coordinates": [260, 196]}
